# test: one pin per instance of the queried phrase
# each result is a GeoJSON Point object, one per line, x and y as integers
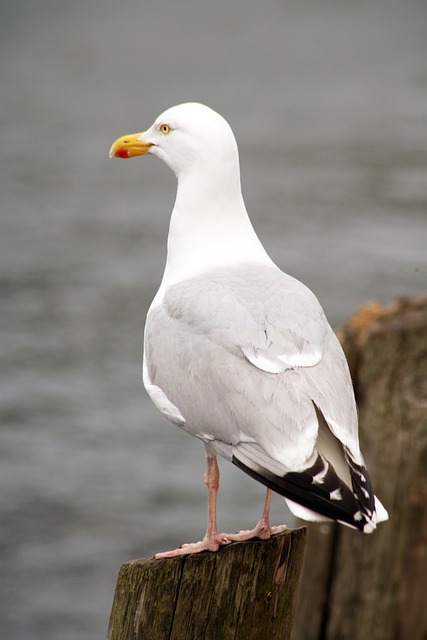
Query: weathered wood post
{"type": "Point", "coordinates": [246, 591]}
{"type": "Point", "coordinates": [374, 587]}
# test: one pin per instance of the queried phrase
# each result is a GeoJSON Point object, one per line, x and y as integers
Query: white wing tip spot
{"type": "Point", "coordinates": [336, 494]}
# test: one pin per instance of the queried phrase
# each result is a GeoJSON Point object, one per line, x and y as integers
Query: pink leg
{"type": "Point", "coordinates": [212, 541]}
{"type": "Point", "coordinates": [263, 530]}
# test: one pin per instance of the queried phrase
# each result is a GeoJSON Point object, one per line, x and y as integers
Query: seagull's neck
{"type": "Point", "coordinates": [209, 228]}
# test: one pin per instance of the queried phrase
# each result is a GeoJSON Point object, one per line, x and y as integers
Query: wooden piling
{"type": "Point", "coordinates": [245, 591]}
{"type": "Point", "coordinates": [356, 586]}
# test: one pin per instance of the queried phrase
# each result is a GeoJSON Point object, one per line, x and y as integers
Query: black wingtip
{"type": "Point", "coordinates": [321, 490]}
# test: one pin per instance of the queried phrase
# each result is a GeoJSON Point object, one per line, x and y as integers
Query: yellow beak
{"type": "Point", "coordinates": [130, 146]}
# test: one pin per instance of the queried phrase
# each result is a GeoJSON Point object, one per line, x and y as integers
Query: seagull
{"type": "Point", "coordinates": [240, 354]}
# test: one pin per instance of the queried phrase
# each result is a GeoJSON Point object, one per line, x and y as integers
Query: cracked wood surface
{"type": "Point", "coordinates": [374, 586]}
{"type": "Point", "coordinates": [245, 591]}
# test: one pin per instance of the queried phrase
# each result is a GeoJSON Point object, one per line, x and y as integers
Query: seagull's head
{"type": "Point", "coordinates": [186, 137]}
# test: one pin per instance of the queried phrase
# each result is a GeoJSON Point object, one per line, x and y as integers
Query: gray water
{"type": "Point", "coordinates": [328, 101]}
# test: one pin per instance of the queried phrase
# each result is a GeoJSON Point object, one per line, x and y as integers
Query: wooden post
{"type": "Point", "coordinates": [246, 591]}
{"type": "Point", "coordinates": [356, 586]}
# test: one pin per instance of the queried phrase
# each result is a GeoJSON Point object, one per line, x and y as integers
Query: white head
{"type": "Point", "coordinates": [186, 137]}
{"type": "Point", "coordinates": [209, 223]}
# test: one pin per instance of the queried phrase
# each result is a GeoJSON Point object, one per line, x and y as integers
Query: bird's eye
{"type": "Point", "coordinates": [165, 129]}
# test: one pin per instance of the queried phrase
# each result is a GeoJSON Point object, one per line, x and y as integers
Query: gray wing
{"type": "Point", "coordinates": [245, 360]}
{"type": "Point", "coordinates": [244, 355]}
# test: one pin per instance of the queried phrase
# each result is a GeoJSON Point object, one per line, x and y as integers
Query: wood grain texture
{"type": "Point", "coordinates": [246, 591]}
{"type": "Point", "coordinates": [357, 586]}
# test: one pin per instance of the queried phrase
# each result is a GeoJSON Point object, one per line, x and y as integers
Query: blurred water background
{"type": "Point", "coordinates": [328, 101]}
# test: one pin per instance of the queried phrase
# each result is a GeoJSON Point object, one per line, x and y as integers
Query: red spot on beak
{"type": "Point", "coordinates": [122, 153]}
